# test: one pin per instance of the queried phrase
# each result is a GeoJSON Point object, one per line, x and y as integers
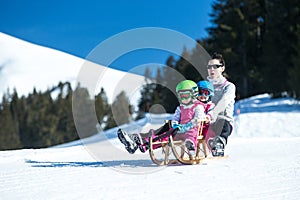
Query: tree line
{"type": "Point", "coordinates": [43, 119]}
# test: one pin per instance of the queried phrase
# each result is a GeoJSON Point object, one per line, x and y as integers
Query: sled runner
{"type": "Point", "coordinates": [174, 151]}
{"type": "Point", "coordinates": [162, 155]}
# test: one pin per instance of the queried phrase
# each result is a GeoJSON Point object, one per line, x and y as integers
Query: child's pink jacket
{"type": "Point", "coordinates": [192, 113]}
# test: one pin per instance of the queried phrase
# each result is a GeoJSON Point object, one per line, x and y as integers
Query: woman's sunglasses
{"type": "Point", "coordinates": [213, 66]}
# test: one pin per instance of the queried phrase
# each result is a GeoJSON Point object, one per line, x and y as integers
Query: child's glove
{"type": "Point", "coordinates": [177, 126]}
{"type": "Point", "coordinates": [185, 127]}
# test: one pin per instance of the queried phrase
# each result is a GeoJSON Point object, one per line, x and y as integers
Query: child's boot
{"type": "Point", "coordinates": [128, 141]}
{"type": "Point", "coordinates": [142, 143]}
{"type": "Point", "coordinates": [190, 147]}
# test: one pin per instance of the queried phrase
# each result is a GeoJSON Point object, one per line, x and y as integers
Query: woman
{"type": "Point", "coordinates": [224, 95]}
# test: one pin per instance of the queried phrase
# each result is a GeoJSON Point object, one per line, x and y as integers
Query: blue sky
{"type": "Point", "coordinates": [77, 27]}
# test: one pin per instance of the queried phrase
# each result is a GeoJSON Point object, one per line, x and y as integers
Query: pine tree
{"type": "Point", "coordinates": [146, 95]}
{"type": "Point", "coordinates": [294, 71]}
{"type": "Point", "coordinates": [172, 77]}
{"type": "Point", "coordinates": [121, 109]}
{"type": "Point", "coordinates": [9, 139]}
{"type": "Point", "coordinates": [237, 34]}
{"type": "Point", "coordinates": [83, 109]}
{"type": "Point", "coordinates": [279, 49]}
{"type": "Point", "coordinates": [102, 109]}
{"type": "Point", "coordinates": [65, 129]}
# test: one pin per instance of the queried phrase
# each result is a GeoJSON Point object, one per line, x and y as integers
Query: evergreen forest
{"type": "Point", "coordinates": [260, 42]}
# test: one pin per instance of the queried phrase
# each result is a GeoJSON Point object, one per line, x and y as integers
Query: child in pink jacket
{"type": "Point", "coordinates": [206, 92]}
{"type": "Point", "coordinates": [185, 121]}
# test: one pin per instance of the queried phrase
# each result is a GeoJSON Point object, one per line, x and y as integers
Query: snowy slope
{"type": "Point", "coordinates": [263, 163]}
{"type": "Point", "coordinates": [24, 65]}
{"type": "Point", "coordinates": [262, 116]}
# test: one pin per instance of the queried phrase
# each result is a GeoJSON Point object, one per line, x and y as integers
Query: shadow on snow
{"type": "Point", "coordinates": [115, 163]}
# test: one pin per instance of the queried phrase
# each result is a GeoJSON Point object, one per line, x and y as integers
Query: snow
{"type": "Point", "coordinates": [263, 162]}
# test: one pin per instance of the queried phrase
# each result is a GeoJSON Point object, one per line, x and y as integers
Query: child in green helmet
{"type": "Point", "coordinates": [188, 114]}
{"type": "Point", "coordinates": [185, 121]}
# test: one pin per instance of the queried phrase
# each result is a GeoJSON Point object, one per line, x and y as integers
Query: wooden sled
{"type": "Point", "coordinates": [174, 151]}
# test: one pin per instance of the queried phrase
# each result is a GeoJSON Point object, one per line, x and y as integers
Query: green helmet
{"type": "Point", "coordinates": [187, 91]}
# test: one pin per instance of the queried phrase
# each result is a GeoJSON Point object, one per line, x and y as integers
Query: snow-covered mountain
{"type": "Point", "coordinates": [263, 163]}
{"type": "Point", "coordinates": [24, 65]}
